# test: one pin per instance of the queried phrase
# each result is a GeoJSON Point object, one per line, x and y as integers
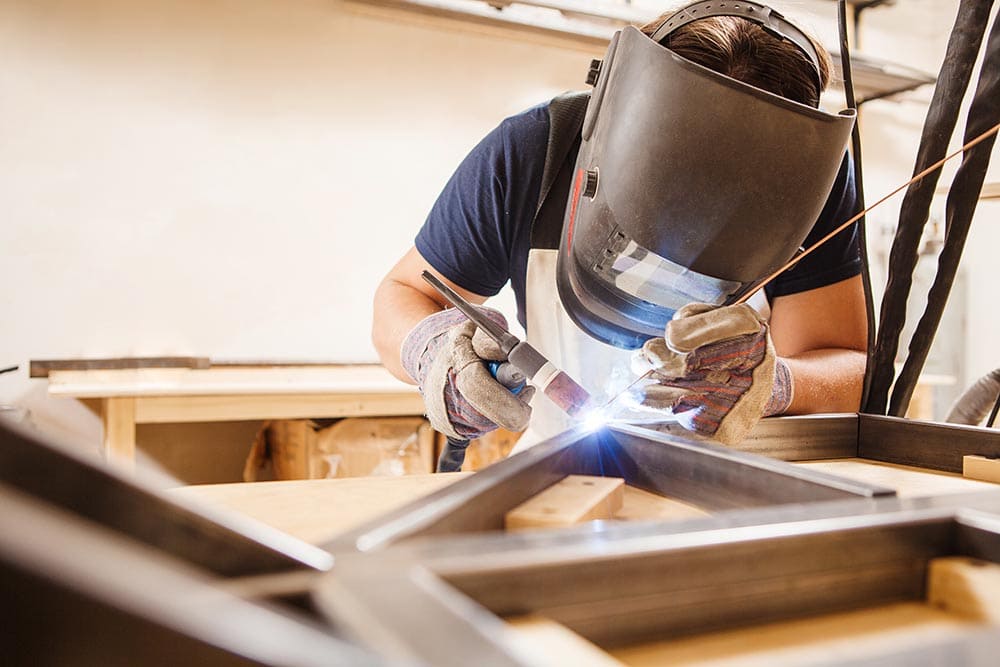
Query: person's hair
{"type": "Point", "coordinates": [744, 51]}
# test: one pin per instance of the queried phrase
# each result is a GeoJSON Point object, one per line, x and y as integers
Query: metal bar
{"type": "Point", "coordinates": [222, 543]}
{"type": "Point", "coordinates": [725, 479]}
{"type": "Point", "coordinates": [805, 438]}
{"type": "Point", "coordinates": [478, 503]}
{"type": "Point", "coordinates": [978, 534]}
{"type": "Point", "coordinates": [77, 593]}
{"type": "Point", "coordinates": [716, 477]}
{"type": "Point", "coordinates": [625, 585]}
{"type": "Point", "coordinates": [923, 444]}
{"type": "Point", "coordinates": [623, 597]}
{"type": "Point", "coordinates": [407, 614]}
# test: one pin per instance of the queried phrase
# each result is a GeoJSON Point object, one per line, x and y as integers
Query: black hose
{"type": "Point", "coordinates": [452, 455]}
{"type": "Point", "coordinates": [942, 116]}
{"type": "Point", "coordinates": [866, 279]}
{"type": "Point", "coordinates": [972, 405]}
{"type": "Point", "coordinates": [963, 197]}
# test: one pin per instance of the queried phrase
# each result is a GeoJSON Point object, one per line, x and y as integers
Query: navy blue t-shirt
{"type": "Point", "coordinates": [478, 233]}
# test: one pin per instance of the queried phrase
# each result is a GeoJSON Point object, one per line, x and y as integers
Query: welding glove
{"type": "Point", "coordinates": [445, 354]}
{"type": "Point", "coordinates": [716, 369]}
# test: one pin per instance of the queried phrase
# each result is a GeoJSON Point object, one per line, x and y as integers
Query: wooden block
{"type": "Point", "coordinates": [980, 467]}
{"type": "Point", "coordinates": [966, 587]}
{"type": "Point", "coordinates": [575, 499]}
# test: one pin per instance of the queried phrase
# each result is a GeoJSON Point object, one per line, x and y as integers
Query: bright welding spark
{"type": "Point", "coordinates": [627, 406]}
{"type": "Point", "coordinates": [596, 418]}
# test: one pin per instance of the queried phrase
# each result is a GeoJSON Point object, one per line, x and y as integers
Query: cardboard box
{"type": "Point", "coordinates": [352, 447]}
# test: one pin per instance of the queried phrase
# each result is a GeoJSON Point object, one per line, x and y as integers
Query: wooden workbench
{"type": "Point", "coordinates": [317, 510]}
{"type": "Point", "coordinates": [162, 395]}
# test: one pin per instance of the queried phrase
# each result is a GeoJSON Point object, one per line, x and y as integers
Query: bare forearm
{"type": "Point", "coordinates": [398, 308]}
{"type": "Point", "coordinates": [827, 380]}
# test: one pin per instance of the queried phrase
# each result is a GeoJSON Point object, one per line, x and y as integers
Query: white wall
{"type": "Point", "coordinates": [227, 179]}
{"type": "Point", "coordinates": [231, 178]}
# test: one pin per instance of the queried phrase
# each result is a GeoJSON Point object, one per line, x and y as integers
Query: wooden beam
{"type": "Point", "coordinates": [575, 499]}
{"type": "Point", "coordinates": [982, 468]}
{"type": "Point", "coordinates": [965, 587]}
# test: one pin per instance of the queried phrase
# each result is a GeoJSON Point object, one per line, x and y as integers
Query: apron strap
{"type": "Point", "coordinates": [566, 113]}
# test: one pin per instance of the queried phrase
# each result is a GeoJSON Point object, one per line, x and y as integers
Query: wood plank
{"type": "Point", "coordinates": [41, 368]}
{"type": "Point", "coordinates": [966, 587]}
{"type": "Point", "coordinates": [296, 380]}
{"type": "Point", "coordinates": [574, 499]}
{"type": "Point", "coordinates": [856, 635]}
{"type": "Point", "coordinates": [909, 481]}
{"type": "Point", "coordinates": [981, 468]}
{"type": "Point", "coordinates": [640, 505]}
{"type": "Point", "coordinates": [118, 416]}
{"type": "Point", "coordinates": [317, 510]}
{"type": "Point", "coordinates": [166, 409]}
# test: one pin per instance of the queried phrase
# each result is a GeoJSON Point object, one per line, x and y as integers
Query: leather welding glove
{"type": "Point", "coordinates": [444, 353]}
{"type": "Point", "coordinates": [717, 371]}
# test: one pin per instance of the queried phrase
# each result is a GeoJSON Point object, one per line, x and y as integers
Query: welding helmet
{"type": "Point", "coordinates": [689, 186]}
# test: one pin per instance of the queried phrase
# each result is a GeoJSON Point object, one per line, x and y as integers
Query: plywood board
{"type": "Point", "coordinates": [572, 500]}
{"type": "Point", "coordinates": [867, 633]}
{"type": "Point", "coordinates": [981, 468]}
{"type": "Point", "coordinates": [316, 510]}
{"type": "Point", "coordinates": [966, 587]}
{"type": "Point", "coordinates": [908, 481]}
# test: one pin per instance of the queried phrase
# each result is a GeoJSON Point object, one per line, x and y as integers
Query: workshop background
{"type": "Point", "coordinates": [231, 179]}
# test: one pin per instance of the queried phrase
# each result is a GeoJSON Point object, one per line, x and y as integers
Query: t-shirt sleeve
{"type": "Point", "coordinates": [469, 233]}
{"type": "Point", "coordinates": [837, 259]}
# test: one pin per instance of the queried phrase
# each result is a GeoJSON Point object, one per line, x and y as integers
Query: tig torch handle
{"type": "Point", "coordinates": [508, 375]}
{"type": "Point", "coordinates": [453, 453]}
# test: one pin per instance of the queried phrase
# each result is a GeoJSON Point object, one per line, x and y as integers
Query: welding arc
{"type": "Point", "coordinates": [937, 165]}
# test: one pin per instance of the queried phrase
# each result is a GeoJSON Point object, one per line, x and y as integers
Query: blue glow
{"type": "Point", "coordinates": [595, 419]}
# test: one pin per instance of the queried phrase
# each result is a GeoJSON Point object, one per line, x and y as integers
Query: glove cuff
{"type": "Point", "coordinates": [420, 346]}
{"type": "Point", "coordinates": [782, 391]}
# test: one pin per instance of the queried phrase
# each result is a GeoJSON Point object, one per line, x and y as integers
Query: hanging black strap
{"type": "Point", "coordinates": [566, 114]}
{"type": "Point", "coordinates": [942, 116]}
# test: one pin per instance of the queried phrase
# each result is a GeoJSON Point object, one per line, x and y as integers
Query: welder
{"type": "Point", "coordinates": [628, 219]}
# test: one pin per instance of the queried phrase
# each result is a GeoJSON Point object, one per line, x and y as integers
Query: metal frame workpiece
{"type": "Point", "coordinates": [785, 543]}
{"type": "Point", "coordinates": [704, 474]}
{"type": "Point", "coordinates": [101, 556]}
{"type": "Point", "coordinates": [442, 601]}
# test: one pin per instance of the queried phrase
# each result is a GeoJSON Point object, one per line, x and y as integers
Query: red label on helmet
{"type": "Point", "coordinates": [574, 200]}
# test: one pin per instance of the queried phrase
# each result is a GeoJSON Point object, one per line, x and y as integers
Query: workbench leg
{"type": "Point", "coordinates": [118, 415]}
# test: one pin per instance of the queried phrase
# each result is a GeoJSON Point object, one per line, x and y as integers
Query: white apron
{"type": "Point", "coordinates": [603, 370]}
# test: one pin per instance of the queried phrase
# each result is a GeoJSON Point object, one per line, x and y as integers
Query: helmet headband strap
{"type": "Point", "coordinates": [767, 18]}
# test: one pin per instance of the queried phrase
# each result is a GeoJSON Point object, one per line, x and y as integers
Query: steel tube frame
{"type": "Point", "coordinates": [433, 585]}
{"type": "Point", "coordinates": [701, 473]}
{"type": "Point", "coordinates": [441, 600]}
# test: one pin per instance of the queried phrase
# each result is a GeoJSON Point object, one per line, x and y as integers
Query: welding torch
{"type": "Point", "coordinates": [559, 387]}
